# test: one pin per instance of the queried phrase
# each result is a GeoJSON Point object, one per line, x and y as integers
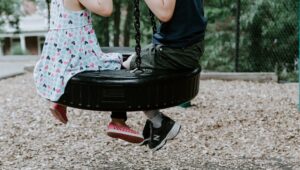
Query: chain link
{"type": "Point", "coordinates": [137, 26]}
{"type": "Point", "coordinates": [153, 21]}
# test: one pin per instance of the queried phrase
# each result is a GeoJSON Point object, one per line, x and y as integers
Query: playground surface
{"type": "Point", "coordinates": [231, 125]}
{"type": "Point", "coordinates": [11, 66]}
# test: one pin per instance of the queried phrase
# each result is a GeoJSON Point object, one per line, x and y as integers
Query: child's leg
{"type": "Point", "coordinates": [155, 117]}
{"type": "Point", "coordinates": [118, 118]}
{"type": "Point", "coordinates": [126, 64]}
{"type": "Point", "coordinates": [147, 57]}
{"type": "Point", "coordinates": [59, 112]}
{"type": "Point", "coordinates": [118, 128]}
{"type": "Point", "coordinates": [162, 128]}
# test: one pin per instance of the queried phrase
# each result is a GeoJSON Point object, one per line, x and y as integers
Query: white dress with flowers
{"type": "Point", "coordinates": [71, 47]}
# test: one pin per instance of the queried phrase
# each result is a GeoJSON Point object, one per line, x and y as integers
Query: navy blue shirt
{"type": "Point", "coordinates": [186, 27]}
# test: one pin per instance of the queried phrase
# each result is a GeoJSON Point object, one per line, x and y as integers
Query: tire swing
{"type": "Point", "coordinates": [125, 90]}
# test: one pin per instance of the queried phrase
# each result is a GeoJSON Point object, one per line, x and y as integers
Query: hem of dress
{"type": "Point", "coordinates": [55, 100]}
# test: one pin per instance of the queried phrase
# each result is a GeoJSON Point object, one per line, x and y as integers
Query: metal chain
{"type": "Point", "coordinates": [138, 33]}
{"type": "Point", "coordinates": [137, 26]}
{"type": "Point", "coordinates": [153, 21]}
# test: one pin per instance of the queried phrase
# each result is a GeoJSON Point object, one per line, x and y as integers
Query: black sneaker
{"type": "Point", "coordinates": [169, 130]}
{"type": "Point", "coordinates": [146, 133]}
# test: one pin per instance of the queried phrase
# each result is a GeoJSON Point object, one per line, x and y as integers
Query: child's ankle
{"type": "Point", "coordinates": [118, 121]}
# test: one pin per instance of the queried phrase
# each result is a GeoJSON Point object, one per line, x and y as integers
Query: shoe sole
{"type": "Point", "coordinates": [58, 116]}
{"type": "Point", "coordinates": [171, 135]}
{"type": "Point", "coordinates": [131, 139]}
{"type": "Point", "coordinates": [144, 142]}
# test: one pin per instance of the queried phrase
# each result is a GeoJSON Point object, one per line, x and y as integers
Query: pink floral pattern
{"type": "Point", "coordinates": [71, 47]}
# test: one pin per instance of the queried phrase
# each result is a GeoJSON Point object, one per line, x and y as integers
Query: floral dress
{"type": "Point", "coordinates": [70, 47]}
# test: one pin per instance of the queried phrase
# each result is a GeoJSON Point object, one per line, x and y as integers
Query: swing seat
{"type": "Point", "coordinates": [123, 90]}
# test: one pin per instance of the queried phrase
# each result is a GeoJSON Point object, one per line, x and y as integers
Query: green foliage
{"type": "Point", "coordinates": [272, 31]}
{"type": "Point", "coordinates": [220, 40]}
{"type": "Point", "coordinates": [285, 76]}
{"type": "Point", "coordinates": [9, 13]}
{"type": "Point", "coordinates": [268, 40]}
{"type": "Point", "coordinates": [268, 36]}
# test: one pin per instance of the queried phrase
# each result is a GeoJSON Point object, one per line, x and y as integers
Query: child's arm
{"type": "Point", "coordinates": [162, 9]}
{"type": "Point", "coordinates": [100, 7]}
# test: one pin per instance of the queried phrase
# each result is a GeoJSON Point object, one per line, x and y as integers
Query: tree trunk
{"type": "Point", "coordinates": [48, 2]}
{"type": "Point", "coordinates": [106, 32]}
{"type": "Point", "coordinates": [117, 21]}
{"type": "Point", "coordinates": [128, 24]}
{"type": "Point", "coordinates": [256, 52]}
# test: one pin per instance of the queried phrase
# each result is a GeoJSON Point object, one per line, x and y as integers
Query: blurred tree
{"type": "Point", "coordinates": [117, 21]}
{"type": "Point", "coordinates": [128, 26]}
{"type": "Point", "coordinates": [272, 34]}
{"type": "Point", "coordinates": [220, 35]}
{"type": "Point", "coordinates": [48, 2]}
{"type": "Point", "coordinates": [119, 28]}
{"type": "Point", "coordinates": [9, 11]}
{"type": "Point", "coordinates": [102, 27]}
{"type": "Point", "coordinates": [268, 35]}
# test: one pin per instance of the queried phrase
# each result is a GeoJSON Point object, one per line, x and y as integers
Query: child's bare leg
{"type": "Point", "coordinates": [155, 117]}
{"type": "Point", "coordinates": [126, 63]}
{"type": "Point", "coordinates": [121, 122]}
{"type": "Point", "coordinates": [59, 112]}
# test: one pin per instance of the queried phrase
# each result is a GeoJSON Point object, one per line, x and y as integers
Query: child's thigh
{"type": "Point", "coordinates": [147, 58]}
{"type": "Point", "coordinates": [179, 58]}
{"type": "Point", "coordinates": [162, 57]}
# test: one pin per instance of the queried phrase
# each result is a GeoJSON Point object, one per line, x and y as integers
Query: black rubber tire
{"type": "Point", "coordinates": [125, 91]}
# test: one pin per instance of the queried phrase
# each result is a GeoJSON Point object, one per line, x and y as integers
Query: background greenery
{"type": "Point", "coordinates": [269, 40]}
{"type": "Point", "coordinates": [268, 37]}
{"type": "Point", "coordinates": [9, 12]}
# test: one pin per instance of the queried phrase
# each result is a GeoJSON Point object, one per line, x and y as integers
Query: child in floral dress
{"type": "Point", "coordinates": [71, 47]}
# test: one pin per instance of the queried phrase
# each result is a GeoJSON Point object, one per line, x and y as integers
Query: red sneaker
{"type": "Point", "coordinates": [124, 132]}
{"type": "Point", "coordinates": [59, 112]}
